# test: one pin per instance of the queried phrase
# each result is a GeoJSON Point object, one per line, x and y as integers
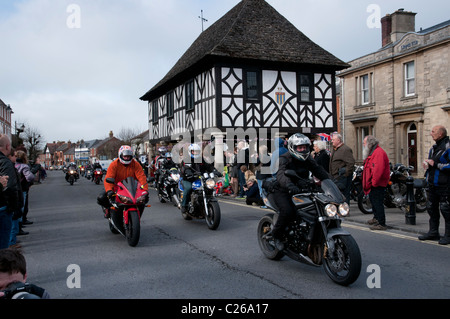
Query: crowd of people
{"type": "Point", "coordinates": [17, 175]}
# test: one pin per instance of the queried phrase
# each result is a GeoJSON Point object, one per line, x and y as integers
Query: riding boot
{"type": "Point", "coordinates": [433, 233]}
{"type": "Point", "coordinates": [445, 210]}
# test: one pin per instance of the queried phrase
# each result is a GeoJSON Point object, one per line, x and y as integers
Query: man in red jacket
{"type": "Point", "coordinates": [376, 175]}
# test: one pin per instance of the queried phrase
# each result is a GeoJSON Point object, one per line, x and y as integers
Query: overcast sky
{"type": "Point", "coordinates": [75, 69]}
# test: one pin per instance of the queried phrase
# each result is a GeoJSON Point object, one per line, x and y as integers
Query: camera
{"type": "Point", "coordinates": [19, 290]}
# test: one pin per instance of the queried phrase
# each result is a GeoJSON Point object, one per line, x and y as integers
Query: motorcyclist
{"type": "Point", "coordinates": [95, 166]}
{"type": "Point", "coordinates": [121, 168]}
{"type": "Point", "coordinates": [188, 171]}
{"type": "Point", "coordinates": [158, 162]}
{"type": "Point", "coordinates": [72, 166]}
{"type": "Point", "coordinates": [299, 159]}
{"type": "Point", "coordinates": [165, 164]}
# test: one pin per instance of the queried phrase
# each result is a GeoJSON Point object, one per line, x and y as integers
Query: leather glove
{"type": "Point", "coordinates": [109, 194]}
{"type": "Point", "coordinates": [293, 189]}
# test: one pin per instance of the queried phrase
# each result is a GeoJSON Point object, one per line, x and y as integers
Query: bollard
{"type": "Point", "coordinates": [410, 214]}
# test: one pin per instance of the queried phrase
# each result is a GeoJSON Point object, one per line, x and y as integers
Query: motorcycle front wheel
{"type": "Point", "coordinates": [213, 217]}
{"type": "Point", "coordinates": [133, 231]}
{"type": "Point", "coordinates": [343, 266]}
{"type": "Point", "coordinates": [265, 239]}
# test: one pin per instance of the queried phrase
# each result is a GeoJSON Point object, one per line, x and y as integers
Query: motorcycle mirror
{"type": "Point", "coordinates": [110, 180]}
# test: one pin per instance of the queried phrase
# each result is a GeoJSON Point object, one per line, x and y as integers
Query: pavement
{"type": "Point", "coordinates": [395, 218]}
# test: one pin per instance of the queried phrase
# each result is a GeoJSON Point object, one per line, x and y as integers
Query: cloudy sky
{"type": "Point", "coordinates": [75, 69]}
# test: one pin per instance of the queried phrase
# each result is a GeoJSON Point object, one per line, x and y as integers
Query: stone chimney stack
{"type": "Point", "coordinates": [395, 25]}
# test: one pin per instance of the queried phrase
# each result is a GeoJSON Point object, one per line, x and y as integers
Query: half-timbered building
{"type": "Point", "coordinates": [250, 69]}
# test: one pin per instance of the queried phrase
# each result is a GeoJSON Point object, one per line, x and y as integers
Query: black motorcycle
{"type": "Point", "coordinates": [315, 236]}
{"type": "Point", "coordinates": [168, 189]}
{"type": "Point", "coordinates": [356, 189]}
{"type": "Point", "coordinates": [396, 191]}
{"type": "Point", "coordinates": [203, 203]}
{"type": "Point", "coordinates": [71, 175]}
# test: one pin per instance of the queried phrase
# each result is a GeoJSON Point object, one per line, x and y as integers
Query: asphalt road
{"type": "Point", "coordinates": [71, 252]}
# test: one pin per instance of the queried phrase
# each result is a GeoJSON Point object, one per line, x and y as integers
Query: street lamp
{"type": "Point", "coordinates": [18, 128]}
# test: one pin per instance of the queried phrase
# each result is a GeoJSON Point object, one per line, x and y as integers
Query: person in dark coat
{"type": "Point", "coordinates": [321, 154]}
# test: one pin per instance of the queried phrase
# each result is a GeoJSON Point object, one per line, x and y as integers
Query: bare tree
{"type": "Point", "coordinates": [127, 134]}
{"type": "Point", "coordinates": [33, 141]}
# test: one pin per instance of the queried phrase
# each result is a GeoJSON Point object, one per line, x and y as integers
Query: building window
{"type": "Point", "coordinates": [170, 104]}
{"type": "Point", "coordinates": [410, 81]}
{"type": "Point", "coordinates": [306, 87]}
{"type": "Point", "coordinates": [365, 98]}
{"type": "Point", "coordinates": [189, 90]}
{"type": "Point", "coordinates": [155, 112]}
{"type": "Point", "coordinates": [361, 132]}
{"type": "Point", "coordinates": [252, 85]}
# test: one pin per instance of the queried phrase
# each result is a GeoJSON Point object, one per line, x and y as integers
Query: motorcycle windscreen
{"type": "Point", "coordinates": [330, 190]}
{"type": "Point", "coordinates": [131, 184]}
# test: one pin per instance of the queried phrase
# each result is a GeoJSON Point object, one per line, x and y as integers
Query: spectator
{"type": "Point", "coordinates": [26, 178]}
{"type": "Point", "coordinates": [438, 176]}
{"type": "Point", "coordinates": [9, 195]}
{"type": "Point", "coordinates": [376, 175]}
{"type": "Point", "coordinates": [342, 164]}
{"type": "Point", "coordinates": [262, 166]}
{"type": "Point", "coordinates": [321, 154]}
{"type": "Point", "coordinates": [280, 149]}
{"type": "Point", "coordinates": [242, 158]}
{"type": "Point", "coordinates": [251, 190]}
{"type": "Point", "coordinates": [13, 269]}
{"type": "Point", "coordinates": [17, 213]}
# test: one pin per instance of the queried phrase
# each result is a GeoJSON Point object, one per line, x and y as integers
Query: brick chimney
{"type": "Point", "coordinates": [395, 25]}
{"type": "Point", "coordinates": [386, 27]}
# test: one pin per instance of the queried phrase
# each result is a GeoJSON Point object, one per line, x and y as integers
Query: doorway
{"type": "Point", "coordinates": [412, 147]}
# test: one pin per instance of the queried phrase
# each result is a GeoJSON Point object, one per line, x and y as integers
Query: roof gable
{"type": "Point", "coordinates": [253, 30]}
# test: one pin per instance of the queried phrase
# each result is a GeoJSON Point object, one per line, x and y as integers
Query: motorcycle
{"type": "Point", "coordinates": [356, 189]}
{"type": "Point", "coordinates": [203, 203]}
{"type": "Point", "coordinates": [88, 173]}
{"type": "Point", "coordinates": [127, 206]}
{"type": "Point", "coordinates": [396, 191]}
{"type": "Point", "coordinates": [71, 175]}
{"type": "Point", "coordinates": [315, 236]}
{"type": "Point", "coordinates": [97, 176]}
{"type": "Point", "coordinates": [168, 191]}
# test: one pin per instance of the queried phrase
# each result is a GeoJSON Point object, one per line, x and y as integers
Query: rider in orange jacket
{"type": "Point", "coordinates": [123, 167]}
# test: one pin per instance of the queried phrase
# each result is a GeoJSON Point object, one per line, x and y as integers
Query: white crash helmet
{"type": "Point", "coordinates": [125, 150]}
{"type": "Point", "coordinates": [194, 150]}
{"type": "Point", "coordinates": [296, 140]}
{"type": "Point", "coordinates": [162, 150]}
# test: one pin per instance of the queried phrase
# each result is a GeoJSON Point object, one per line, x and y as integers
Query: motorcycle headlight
{"type": "Point", "coordinates": [175, 177]}
{"type": "Point", "coordinates": [124, 199]}
{"type": "Point", "coordinates": [330, 210]}
{"type": "Point", "coordinates": [141, 199]}
{"type": "Point", "coordinates": [344, 209]}
{"type": "Point", "coordinates": [205, 175]}
{"type": "Point", "coordinates": [72, 172]}
{"type": "Point", "coordinates": [210, 183]}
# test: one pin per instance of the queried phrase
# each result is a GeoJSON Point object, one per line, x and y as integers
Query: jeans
{"type": "Point", "coordinates": [376, 197]}
{"type": "Point", "coordinates": [15, 223]}
{"type": "Point", "coordinates": [187, 191]}
{"type": "Point", "coordinates": [241, 176]}
{"type": "Point", "coordinates": [5, 227]}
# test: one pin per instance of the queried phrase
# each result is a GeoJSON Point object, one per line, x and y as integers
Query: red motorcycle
{"type": "Point", "coordinates": [128, 203]}
{"type": "Point", "coordinates": [98, 174]}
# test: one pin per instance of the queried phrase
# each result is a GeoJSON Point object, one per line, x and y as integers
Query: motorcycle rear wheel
{"type": "Point", "coordinates": [364, 204]}
{"type": "Point", "coordinates": [265, 240]}
{"type": "Point", "coordinates": [133, 231]}
{"type": "Point", "coordinates": [344, 266]}
{"type": "Point", "coordinates": [213, 220]}
{"type": "Point", "coordinates": [421, 198]}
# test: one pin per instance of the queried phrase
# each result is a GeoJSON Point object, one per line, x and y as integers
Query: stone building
{"type": "Point", "coordinates": [399, 92]}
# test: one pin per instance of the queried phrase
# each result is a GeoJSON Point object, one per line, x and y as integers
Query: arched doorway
{"type": "Point", "coordinates": [412, 146]}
